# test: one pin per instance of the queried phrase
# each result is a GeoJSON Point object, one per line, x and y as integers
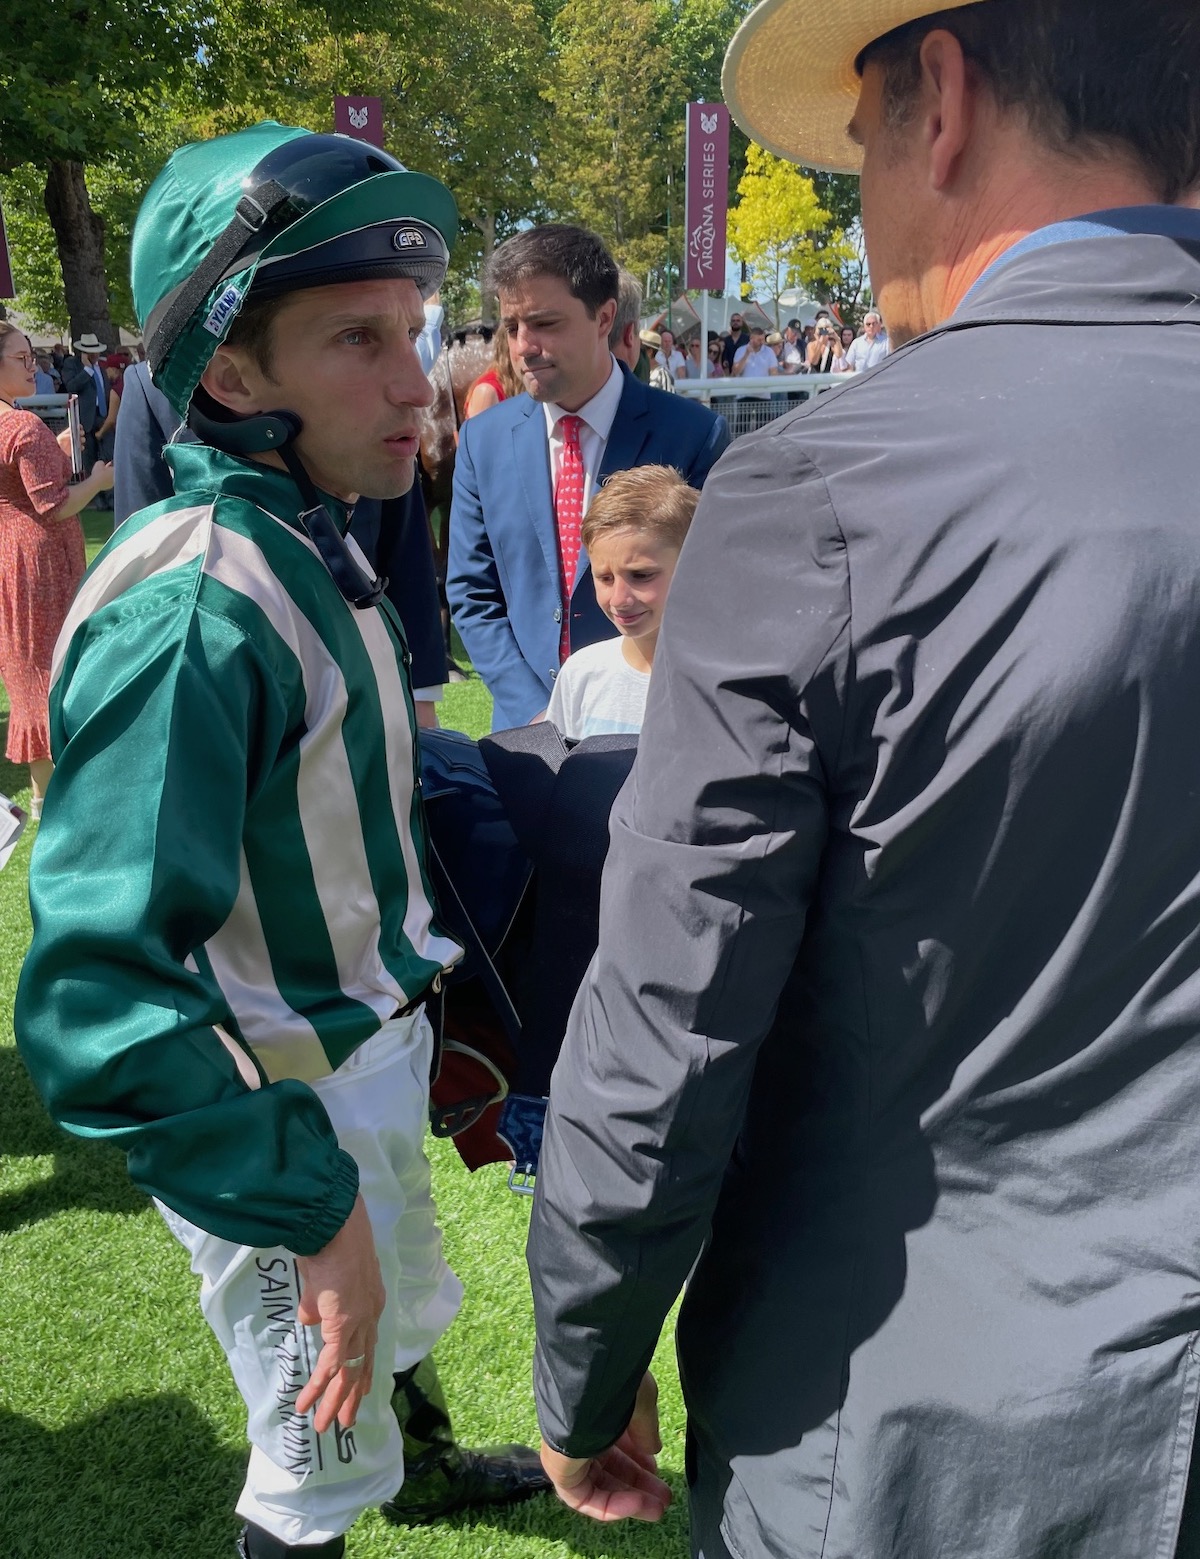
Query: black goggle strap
{"type": "Point", "coordinates": [321, 529]}
{"type": "Point", "coordinates": [252, 213]}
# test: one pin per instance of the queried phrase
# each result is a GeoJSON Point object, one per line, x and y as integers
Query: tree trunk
{"type": "Point", "coordinates": [485, 222]}
{"type": "Point", "coordinates": [79, 234]}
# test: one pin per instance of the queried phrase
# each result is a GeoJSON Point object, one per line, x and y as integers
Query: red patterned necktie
{"type": "Point", "coordinates": [568, 515]}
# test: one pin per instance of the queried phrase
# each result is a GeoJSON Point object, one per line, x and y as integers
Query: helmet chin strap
{"type": "Point", "coordinates": [249, 436]}
{"type": "Point", "coordinates": [324, 534]}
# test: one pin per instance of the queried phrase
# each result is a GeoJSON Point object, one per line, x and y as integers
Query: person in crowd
{"type": "Point", "coordinates": [716, 365]}
{"type": "Point", "coordinates": [846, 336]}
{"type": "Point", "coordinates": [825, 350]}
{"type": "Point", "coordinates": [234, 933]}
{"type": "Point", "coordinates": [429, 344]}
{"type": "Point", "coordinates": [737, 337]}
{"type": "Point", "coordinates": [756, 360]}
{"type": "Point", "coordinates": [660, 375]}
{"type": "Point", "coordinates": [668, 355]}
{"type": "Point", "coordinates": [871, 347]}
{"type": "Point", "coordinates": [633, 534]}
{"type": "Point", "coordinates": [83, 378]}
{"type": "Point", "coordinates": [518, 580]}
{"type": "Point", "coordinates": [624, 339]}
{"type": "Point", "coordinates": [46, 382]}
{"type": "Point", "coordinates": [112, 367]}
{"type": "Point", "coordinates": [793, 358]}
{"type": "Point", "coordinates": [497, 383]}
{"type": "Point", "coordinates": [392, 532]}
{"type": "Point", "coordinates": [889, 1050]}
{"type": "Point", "coordinates": [41, 557]}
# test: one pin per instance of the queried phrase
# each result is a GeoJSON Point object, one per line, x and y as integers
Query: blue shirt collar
{"type": "Point", "coordinates": [1164, 221]}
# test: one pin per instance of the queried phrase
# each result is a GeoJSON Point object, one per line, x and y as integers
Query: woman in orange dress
{"type": "Point", "coordinates": [41, 557]}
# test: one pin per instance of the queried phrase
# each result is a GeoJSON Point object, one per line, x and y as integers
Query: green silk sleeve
{"type": "Point", "coordinates": [165, 720]}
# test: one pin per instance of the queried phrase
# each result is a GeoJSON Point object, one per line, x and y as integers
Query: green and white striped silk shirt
{"type": "Point", "coordinates": [229, 890]}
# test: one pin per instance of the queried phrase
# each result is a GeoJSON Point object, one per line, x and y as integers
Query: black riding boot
{"type": "Point", "coordinates": [254, 1543]}
{"type": "Point", "coordinates": [440, 1476]}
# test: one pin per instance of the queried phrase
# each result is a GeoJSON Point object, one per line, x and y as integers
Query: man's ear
{"type": "Point", "coordinates": [232, 381]}
{"type": "Point", "coordinates": [948, 93]}
{"type": "Point", "coordinates": [605, 315]}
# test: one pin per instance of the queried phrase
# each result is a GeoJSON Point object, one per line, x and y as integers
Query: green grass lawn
{"type": "Point", "coordinates": [121, 1436]}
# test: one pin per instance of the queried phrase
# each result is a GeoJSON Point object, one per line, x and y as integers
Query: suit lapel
{"type": "Point", "coordinates": [531, 458]}
{"type": "Point", "coordinates": [631, 428]}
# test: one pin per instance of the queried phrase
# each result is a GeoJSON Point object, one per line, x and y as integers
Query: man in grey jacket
{"type": "Point", "coordinates": [894, 1028]}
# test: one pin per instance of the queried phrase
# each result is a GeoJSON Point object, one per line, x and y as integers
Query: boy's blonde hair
{"type": "Point", "coordinates": [653, 499]}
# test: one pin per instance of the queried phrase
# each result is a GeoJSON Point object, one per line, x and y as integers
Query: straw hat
{"type": "Point", "coordinates": [88, 343]}
{"type": "Point", "coordinates": [789, 76]}
{"type": "Point", "coordinates": [650, 338]}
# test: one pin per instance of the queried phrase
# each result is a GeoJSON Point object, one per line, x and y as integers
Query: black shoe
{"type": "Point", "coordinates": [254, 1543]}
{"type": "Point", "coordinates": [462, 1480]}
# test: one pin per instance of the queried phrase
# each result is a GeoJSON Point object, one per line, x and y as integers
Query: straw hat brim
{"type": "Point", "coordinates": [789, 77]}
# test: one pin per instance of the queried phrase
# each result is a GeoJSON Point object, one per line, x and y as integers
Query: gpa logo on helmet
{"type": "Point", "coordinates": [222, 311]}
{"type": "Point", "coordinates": [409, 238]}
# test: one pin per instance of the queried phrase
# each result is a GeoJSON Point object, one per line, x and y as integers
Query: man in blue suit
{"type": "Point", "coordinates": [518, 584]}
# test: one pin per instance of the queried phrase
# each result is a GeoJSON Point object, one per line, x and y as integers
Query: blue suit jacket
{"type": "Point", "coordinates": [502, 577]}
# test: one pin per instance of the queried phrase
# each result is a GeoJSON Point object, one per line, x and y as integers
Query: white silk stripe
{"type": "Point", "coordinates": [169, 542]}
{"type": "Point", "coordinates": [247, 1071]}
{"type": "Point", "coordinates": [389, 678]}
{"type": "Point", "coordinates": [325, 792]}
{"type": "Point", "coordinates": [284, 1041]}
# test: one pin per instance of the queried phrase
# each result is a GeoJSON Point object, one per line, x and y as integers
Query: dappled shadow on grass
{"type": "Point", "coordinates": [548, 1519]}
{"type": "Point", "coordinates": [86, 1174]}
{"type": "Point", "coordinates": [141, 1479]}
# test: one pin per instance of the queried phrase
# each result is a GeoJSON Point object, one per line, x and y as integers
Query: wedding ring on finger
{"type": "Point", "coordinates": [355, 1364]}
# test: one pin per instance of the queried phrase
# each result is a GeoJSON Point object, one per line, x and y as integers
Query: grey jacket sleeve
{"type": "Point", "coordinates": [716, 844]}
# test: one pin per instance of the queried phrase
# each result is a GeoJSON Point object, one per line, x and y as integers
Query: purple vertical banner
{"type": "Point", "coordinates": [7, 288]}
{"type": "Point", "coordinates": [707, 200]}
{"type": "Point", "coordinates": [361, 117]}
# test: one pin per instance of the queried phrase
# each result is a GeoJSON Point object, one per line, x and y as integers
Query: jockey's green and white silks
{"type": "Point", "coordinates": [254, 904]}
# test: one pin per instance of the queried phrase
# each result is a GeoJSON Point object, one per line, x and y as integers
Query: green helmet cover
{"type": "Point", "coordinates": [192, 202]}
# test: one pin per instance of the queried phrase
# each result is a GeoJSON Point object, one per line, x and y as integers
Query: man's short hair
{"type": "Point", "coordinates": [629, 306]}
{"type": "Point", "coordinates": [252, 330]}
{"type": "Point", "coordinates": [653, 499]}
{"type": "Point", "coordinates": [873, 314]}
{"type": "Point", "coordinates": [758, 330]}
{"type": "Point", "coordinates": [574, 255]}
{"type": "Point", "coordinates": [1090, 75]}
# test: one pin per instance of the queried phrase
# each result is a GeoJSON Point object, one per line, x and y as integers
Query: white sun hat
{"type": "Point", "coordinates": [789, 76]}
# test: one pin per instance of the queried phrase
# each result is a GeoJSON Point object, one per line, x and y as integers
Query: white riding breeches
{"type": "Point", "coordinates": [300, 1486]}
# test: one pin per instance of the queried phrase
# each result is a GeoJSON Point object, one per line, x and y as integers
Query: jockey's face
{"type": "Point", "coordinates": [344, 359]}
{"type": "Point", "coordinates": [558, 348]}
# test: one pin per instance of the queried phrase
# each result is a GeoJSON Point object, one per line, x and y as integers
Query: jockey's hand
{"type": "Point", "coordinates": [622, 1483]}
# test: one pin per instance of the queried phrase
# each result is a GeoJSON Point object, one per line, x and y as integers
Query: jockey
{"type": "Point", "coordinates": [234, 929]}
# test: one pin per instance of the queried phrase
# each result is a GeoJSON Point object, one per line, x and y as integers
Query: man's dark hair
{"type": "Point", "coordinates": [251, 330]}
{"type": "Point", "coordinates": [574, 255]}
{"type": "Point", "coordinates": [1091, 75]}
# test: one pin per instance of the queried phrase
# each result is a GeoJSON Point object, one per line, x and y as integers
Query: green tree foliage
{"type": "Point", "coordinates": [604, 92]}
{"type": "Point", "coordinates": [79, 80]}
{"type": "Point", "coordinates": [780, 229]}
{"type": "Point", "coordinates": [618, 96]}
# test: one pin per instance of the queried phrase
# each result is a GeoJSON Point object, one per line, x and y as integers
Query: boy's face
{"type": "Point", "coordinates": [632, 574]}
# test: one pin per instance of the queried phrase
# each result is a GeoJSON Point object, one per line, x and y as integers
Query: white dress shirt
{"type": "Point", "coordinates": [597, 416]}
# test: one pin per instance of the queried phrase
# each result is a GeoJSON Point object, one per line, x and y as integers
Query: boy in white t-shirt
{"type": "Point", "coordinates": [632, 533]}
